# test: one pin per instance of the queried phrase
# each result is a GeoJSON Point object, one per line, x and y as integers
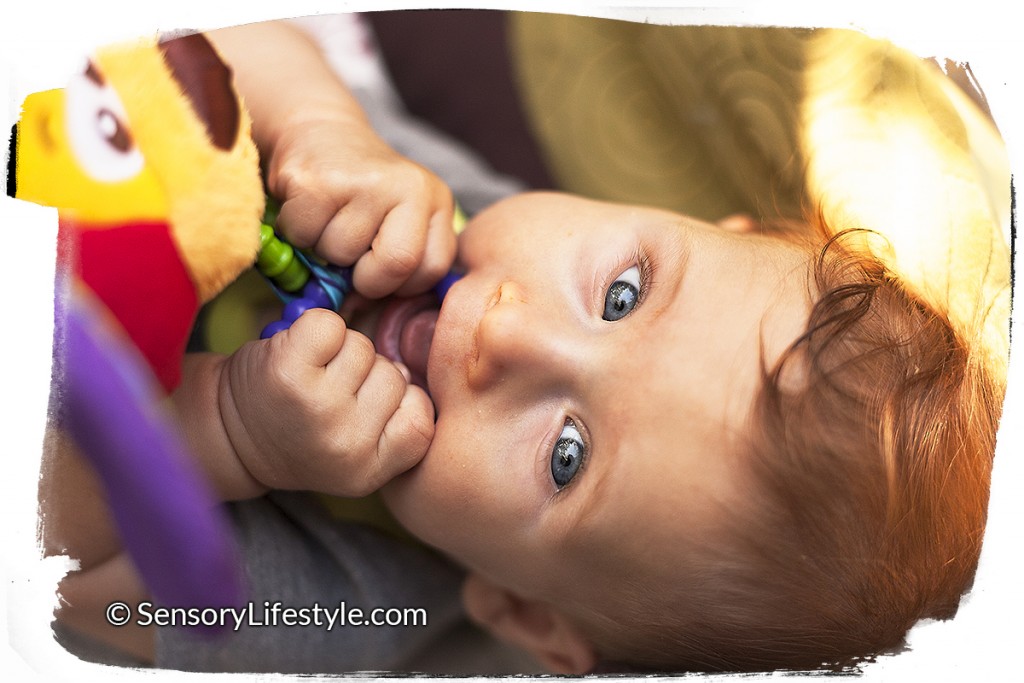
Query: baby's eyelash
{"type": "Point", "coordinates": [647, 270]}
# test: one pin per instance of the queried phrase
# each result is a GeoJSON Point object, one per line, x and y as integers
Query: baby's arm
{"type": "Point", "coordinates": [344, 191]}
{"type": "Point", "coordinates": [313, 408]}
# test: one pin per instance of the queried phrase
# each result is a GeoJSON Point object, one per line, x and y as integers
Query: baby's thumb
{"type": "Point", "coordinates": [315, 337]}
{"type": "Point", "coordinates": [406, 436]}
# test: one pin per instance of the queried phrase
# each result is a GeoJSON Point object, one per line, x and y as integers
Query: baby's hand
{"type": "Point", "coordinates": [354, 200]}
{"type": "Point", "coordinates": [316, 408]}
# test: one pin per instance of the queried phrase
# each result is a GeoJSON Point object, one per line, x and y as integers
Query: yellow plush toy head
{"type": "Point", "coordinates": [81, 157]}
{"type": "Point", "coordinates": [150, 132]}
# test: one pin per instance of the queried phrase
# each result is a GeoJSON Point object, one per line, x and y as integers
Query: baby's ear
{"type": "Point", "coordinates": [739, 222]}
{"type": "Point", "coordinates": [532, 625]}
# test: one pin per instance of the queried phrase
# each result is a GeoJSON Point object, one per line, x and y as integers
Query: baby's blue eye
{"type": "Point", "coordinates": [622, 295]}
{"type": "Point", "coordinates": [567, 455]}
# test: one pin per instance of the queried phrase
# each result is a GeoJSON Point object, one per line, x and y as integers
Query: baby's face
{"type": "Point", "coordinates": [592, 373]}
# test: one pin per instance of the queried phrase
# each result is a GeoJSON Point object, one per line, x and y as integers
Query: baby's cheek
{"type": "Point", "coordinates": [404, 498]}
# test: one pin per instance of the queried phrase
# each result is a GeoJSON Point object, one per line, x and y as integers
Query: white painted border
{"type": "Point", "coordinates": [43, 43]}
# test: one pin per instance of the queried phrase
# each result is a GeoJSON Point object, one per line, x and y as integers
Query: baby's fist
{"type": "Point", "coordinates": [317, 408]}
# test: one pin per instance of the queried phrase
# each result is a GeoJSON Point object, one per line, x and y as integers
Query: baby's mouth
{"type": "Point", "coordinates": [405, 332]}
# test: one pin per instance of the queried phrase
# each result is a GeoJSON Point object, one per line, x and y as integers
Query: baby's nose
{"type": "Point", "coordinates": [520, 339]}
{"type": "Point", "coordinates": [508, 292]}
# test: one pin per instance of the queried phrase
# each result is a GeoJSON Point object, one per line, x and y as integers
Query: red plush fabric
{"type": "Point", "coordinates": [135, 269]}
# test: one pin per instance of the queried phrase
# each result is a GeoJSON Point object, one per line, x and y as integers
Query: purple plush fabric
{"type": "Point", "coordinates": [165, 511]}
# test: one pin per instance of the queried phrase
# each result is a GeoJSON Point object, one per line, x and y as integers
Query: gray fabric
{"type": "Point", "coordinates": [473, 183]}
{"type": "Point", "coordinates": [295, 553]}
{"type": "Point", "coordinates": [350, 50]}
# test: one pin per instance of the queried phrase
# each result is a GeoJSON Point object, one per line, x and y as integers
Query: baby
{"type": "Point", "coordinates": [653, 442]}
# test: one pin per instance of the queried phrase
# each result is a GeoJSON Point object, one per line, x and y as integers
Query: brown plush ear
{"type": "Point", "coordinates": [531, 625]}
{"type": "Point", "coordinates": [206, 82]}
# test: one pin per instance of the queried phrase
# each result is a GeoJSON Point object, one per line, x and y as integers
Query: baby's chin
{"type": "Point", "coordinates": [420, 496]}
{"type": "Point", "coordinates": [404, 498]}
{"type": "Point", "coordinates": [392, 494]}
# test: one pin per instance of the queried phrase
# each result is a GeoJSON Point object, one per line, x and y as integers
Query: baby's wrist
{"type": "Point", "coordinates": [300, 123]}
{"type": "Point", "coordinates": [237, 481]}
{"type": "Point", "coordinates": [315, 139]}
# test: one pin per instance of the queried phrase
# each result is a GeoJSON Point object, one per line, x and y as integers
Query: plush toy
{"type": "Point", "coordinates": [148, 157]}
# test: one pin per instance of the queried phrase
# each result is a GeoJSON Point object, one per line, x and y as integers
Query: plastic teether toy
{"type": "Point", "coordinates": [303, 282]}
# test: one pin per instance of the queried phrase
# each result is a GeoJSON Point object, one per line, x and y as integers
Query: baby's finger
{"type": "Point", "coordinates": [349, 233]}
{"type": "Point", "coordinates": [349, 369]}
{"type": "Point", "coordinates": [438, 256]}
{"type": "Point", "coordinates": [377, 401]}
{"type": "Point", "coordinates": [302, 218]}
{"type": "Point", "coordinates": [315, 338]}
{"type": "Point", "coordinates": [406, 436]}
{"type": "Point", "coordinates": [395, 254]}
{"type": "Point", "coordinates": [379, 394]}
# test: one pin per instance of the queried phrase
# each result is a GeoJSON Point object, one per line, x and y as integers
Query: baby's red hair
{"type": "Point", "coordinates": [869, 457]}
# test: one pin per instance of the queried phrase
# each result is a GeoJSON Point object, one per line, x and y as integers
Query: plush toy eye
{"type": "Point", "coordinates": [113, 131]}
{"type": "Point", "coordinates": [99, 137]}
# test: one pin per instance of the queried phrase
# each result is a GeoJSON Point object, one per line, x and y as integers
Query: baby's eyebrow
{"type": "Point", "coordinates": [670, 259]}
{"type": "Point", "coordinates": [678, 248]}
